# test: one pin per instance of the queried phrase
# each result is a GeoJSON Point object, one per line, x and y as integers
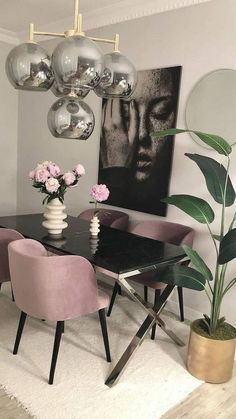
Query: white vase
{"type": "Point", "coordinates": [94, 244]}
{"type": "Point", "coordinates": [94, 226]}
{"type": "Point", "coordinates": [54, 217]}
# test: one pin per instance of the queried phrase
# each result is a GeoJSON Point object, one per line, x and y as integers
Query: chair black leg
{"type": "Point", "coordinates": [145, 293]}
{"type": "Point", "coordinates": [113, 297]}
{"type": "Point", "coordinates": [57, 340]}
{"type": "Point", "coordinates": [12, 295]}
{"type": "Point", "coordinates": [119, 290]}
{"type": "Point", "coordinates": [19, 332]}
{"type": "Point", "coordinates": [102, 317]}
{"type": "Point", "coordinates": [181, 303]}
{"type": "Point", "coordinates": [157, 295]}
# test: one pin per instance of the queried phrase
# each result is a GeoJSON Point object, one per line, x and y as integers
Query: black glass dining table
{"type": "Point", "coordinates": [115, 253]}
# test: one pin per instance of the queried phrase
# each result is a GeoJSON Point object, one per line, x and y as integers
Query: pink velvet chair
{"type": "Point", "coordinates": [54, 288]}
{"type": "Point", "coordinates": [6, 236]}
{"type": "Point", "coordinates": [108, 217]}
{"type": "Point", "coordinates": [165, 231]}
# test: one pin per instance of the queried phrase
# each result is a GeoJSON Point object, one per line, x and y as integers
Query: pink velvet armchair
{"type": "Point", "coordinates": [6, 236]}
{"type": "Point", "coordinates": [54, 288]}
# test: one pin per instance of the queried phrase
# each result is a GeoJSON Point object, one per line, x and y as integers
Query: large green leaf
{"type": "Point", "coordinates": [215, 176]}
{"type": "Point", "coordinates": [198, 262]}
{"type": "Point", "coordinates": [214, 141]}
{"type": "Point", "coordinates": [227, 247]}
{"type": "Point", "coordinates": [182, 276]}
{"type": "Point", "coordinates": [197, 208]}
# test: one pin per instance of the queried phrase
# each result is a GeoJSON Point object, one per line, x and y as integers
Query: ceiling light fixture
{"type": "Point", "coordinates": [77, 66]}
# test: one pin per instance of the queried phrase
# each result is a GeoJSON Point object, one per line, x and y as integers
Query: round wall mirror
{"type": "Point", "coordinates": [211, 106]}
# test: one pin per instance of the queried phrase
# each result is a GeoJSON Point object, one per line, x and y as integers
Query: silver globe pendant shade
{"type": "Point", "coordinates": [70, 117]}
{"type": "Point", "coordinates": [28, 67]}
{"type": "Point", "coordinates": [119, 78]}
{"type": "Point", "coordinates": [78, 63]}
{"type": "Point", "coordinates": [61, 91]}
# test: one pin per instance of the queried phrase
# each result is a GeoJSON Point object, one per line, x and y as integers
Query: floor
{"type": "Point", "coordinates": [208, 401]}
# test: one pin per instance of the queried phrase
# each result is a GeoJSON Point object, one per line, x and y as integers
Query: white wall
{"type": "Point", "coordinates": [201, 39]}
{"type": "Point", "coordinates": [8, 138]}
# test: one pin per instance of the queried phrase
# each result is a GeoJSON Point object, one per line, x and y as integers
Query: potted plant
{"type": "Point", "coordinates": [212, 340]}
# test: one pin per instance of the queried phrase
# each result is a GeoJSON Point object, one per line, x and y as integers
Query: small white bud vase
{"type": "Point", "coordinates": [54, 217]}
{"type": "Point", "coordinates": [94, 226]}
{"type": "Point", "coordinates": [94, 244]}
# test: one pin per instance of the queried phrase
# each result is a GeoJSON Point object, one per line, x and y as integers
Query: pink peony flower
{"type": "Point", "coordinates": [69, 178]}
{"type": "Point", "coordinates": [53, 169]}
{"type": "Point", "coordinates": [99, 193]}
{"type": "Point", "coordinates": [31, 174]}
{"type": "Point", "coordinates": [45, 164]}
{"type": "Point", "coordinates": [52, 185]}
{"type": "Point", "coordinates": [41, 175]}
{"type": "Point", "coordinates": [80, 170]}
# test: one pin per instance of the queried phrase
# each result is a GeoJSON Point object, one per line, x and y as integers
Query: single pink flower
{"type": "Point", "coordinates": [45, 164]}
{"type": "Point", "coordinates": [52, 185]}
{"type": "Point", "coordinates": [69, 178]}
{"type": "Point", "coordinates": [53, 169]}
{"type": "Point", "coordinates": [31, 174]}
{"type": "Point", "coordinates": [99, 193]}
{"type": "Point", "coordinates": [80, 170]}
{"type": "Point", "coordinates": [41, 175]}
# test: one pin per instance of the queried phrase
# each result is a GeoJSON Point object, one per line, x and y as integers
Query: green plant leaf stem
{"type": "Point", "coordinates": [199, 264]}
{"type": "Point", "coordinates": [217, 178]}
{"type": "Point", "coordinates": [196, 207]}
{"type": "Point", "coordinates": [216, 142]}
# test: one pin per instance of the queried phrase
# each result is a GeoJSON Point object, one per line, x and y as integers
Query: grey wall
{"type": "Point", "coordinates": [201, 39]}
{"type": "Point", "coordinates": [8, 140]}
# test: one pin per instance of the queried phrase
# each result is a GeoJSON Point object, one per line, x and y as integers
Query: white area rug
{"type": "Point", "coordinates": [154, 381]}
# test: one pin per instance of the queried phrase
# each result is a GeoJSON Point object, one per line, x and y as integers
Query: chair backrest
{"type": "Point", "coordinates": [6, 236]}
{"type": "Point", "coordinates": [51, 287]}
{"type": "Point", "coordinates": [108, 217]}
{"type": "Point", "coordinates": [165, 231]}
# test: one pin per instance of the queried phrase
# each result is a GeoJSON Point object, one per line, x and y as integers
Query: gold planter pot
{"type": "Point", "coordinates": [210, 360]}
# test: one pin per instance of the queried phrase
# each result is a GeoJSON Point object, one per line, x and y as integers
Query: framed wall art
{"type": "Point", "coordinates": [135, 167]}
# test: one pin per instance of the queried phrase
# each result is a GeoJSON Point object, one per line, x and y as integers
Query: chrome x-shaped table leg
{"type": "Point", "coordinates": [151, 319]}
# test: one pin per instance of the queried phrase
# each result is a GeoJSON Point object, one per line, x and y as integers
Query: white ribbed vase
{"type": "Point", "coordinates": [94, 226]}
{"type": "Point", "coordinates": [54, 217]}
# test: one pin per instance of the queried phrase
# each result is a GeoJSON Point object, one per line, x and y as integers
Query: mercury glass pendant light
{"type": "Point", "coordinates": [70, 117]}
{"type": "Point", "coordinates": [78, 62]}
{"type": "Point", "coordinates": [119, 78]}
{"type": "Point", "coordinates": [28, 67]}
{"type": "Point", "coordinates": [76, 67]}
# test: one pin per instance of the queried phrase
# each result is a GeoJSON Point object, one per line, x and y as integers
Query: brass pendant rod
{"type": "Point", "coordinates": [79, 25]}
{"type": "Point", "coordinates": [76, 15]}
{"type": "Point", "coordinates": [107, 41]}
{"type": "Point", "coordinates": [31, 32]}
{"type": "Point", "coordinates": [117, 41]}
{"type": "Point", "coordinates": [50, 34]}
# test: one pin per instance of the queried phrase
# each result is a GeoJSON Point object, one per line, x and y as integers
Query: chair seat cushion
{"type": "Point", "coordinates": [149, 279]}
{"type": "Point", "coordinates": [103, 299]}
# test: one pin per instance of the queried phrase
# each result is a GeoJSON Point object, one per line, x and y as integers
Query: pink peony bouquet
{"type": "Point", "coordinates": [99, 193]}
{"type": "Point", "coordinates": [48, 179]}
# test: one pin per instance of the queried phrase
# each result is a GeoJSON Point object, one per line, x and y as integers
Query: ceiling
{"type": "Point", "coordinates": [50, 15]}
{"type": "Point", "coordinates": [16, 14]}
